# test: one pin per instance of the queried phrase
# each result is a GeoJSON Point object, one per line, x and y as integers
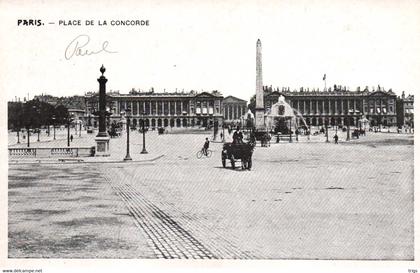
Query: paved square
{"type": "Point", "coordinates": [303, 200]}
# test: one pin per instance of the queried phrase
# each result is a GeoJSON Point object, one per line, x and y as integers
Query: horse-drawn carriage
{"type": "Point", "coordinates": [238, 151]}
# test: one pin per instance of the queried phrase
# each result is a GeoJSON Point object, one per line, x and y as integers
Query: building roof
{"type": "Point", "coordinates": [330, 93]}
{"type": "Point", "coordinates": [233, 99]}
{"type": "Point", "coordinates": [135, 94]}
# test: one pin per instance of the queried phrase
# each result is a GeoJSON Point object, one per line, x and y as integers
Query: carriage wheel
{"type": "Point", "coordinates": [232, 162]}
{"type": "Point", "coordinates": [243, 161]}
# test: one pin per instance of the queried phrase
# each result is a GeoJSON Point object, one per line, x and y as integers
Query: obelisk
{"type": "Point", "coordinates": [259, 103]}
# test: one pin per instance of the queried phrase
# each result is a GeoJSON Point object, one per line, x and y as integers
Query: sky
{"type": "Point", "coordinates": [211, 45]}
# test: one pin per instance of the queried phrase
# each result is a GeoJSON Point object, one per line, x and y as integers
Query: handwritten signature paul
{"type": "Point", "coordinates": [79, 46]}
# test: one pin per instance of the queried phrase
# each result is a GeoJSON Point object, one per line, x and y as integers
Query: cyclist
{"type": "Point", "coordinates": [206, 146]}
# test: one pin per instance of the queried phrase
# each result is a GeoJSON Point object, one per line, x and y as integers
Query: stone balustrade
{"type": "Point", "coordinates": [52, 152]}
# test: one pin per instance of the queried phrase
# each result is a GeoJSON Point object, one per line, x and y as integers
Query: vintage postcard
{"type": "Point", "coordinates": [215, 135]}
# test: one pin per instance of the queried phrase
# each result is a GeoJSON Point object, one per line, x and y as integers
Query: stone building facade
{"type": "Point", "coordinates": [336, 106]}
{"type": "Point", "coordinates": [233, 109]}
{"type": "Point", "coordinates": [408, 110]}
{"type": "Point", "coordinates": [177, 109]}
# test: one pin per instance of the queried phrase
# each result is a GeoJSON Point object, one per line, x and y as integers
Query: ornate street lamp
{"type": "Point", "coordinates": [144, 135]}
{"type": "Point", "coordinates": [18, 138]}
{"type": "Point", "coordinates": [17, 126]}
{"type": "Point", "coordinates": [89, 120]}
{"type": "Point", "coordinates": [69, 120]}
{"type": "Point", "coordinates": [75, 127]}
{"type": "Point", "coordinates": [127, 114]}
{"type": "Point", "coordinates": [348, 124]}
{"type": "Point", "coordinates": [53, 119]}
{"type": "Point", "coordinates": [27, 130]}
{"type": "Point", "coordinates": [309, 129]}
{"type": "Point", "coordinates": [36, 110]}
{"type": "Point", "coordinates": [326, 130]}
{"type": "Point", "coordinates": [290, 130]}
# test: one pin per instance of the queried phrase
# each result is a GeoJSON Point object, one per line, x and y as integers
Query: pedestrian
{"type": "Point", "coordinates": [336, 139]}
{"type": "Point", "coordinates": [71, 138]}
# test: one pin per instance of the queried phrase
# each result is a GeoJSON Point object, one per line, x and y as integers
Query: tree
{"type": "Point", "coordinates": [34, 114]}
{"type": "Point", "coordinates": [61, 114]}
{"type": "Point", "coordinates": [14, 118]}
{"type": "Point", "coordinates": [30, 115]}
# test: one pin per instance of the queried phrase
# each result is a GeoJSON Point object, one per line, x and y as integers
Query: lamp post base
{"type": "Point", "coordinates": [127, 158]}
{"type": "Point", "coordinates": [144, 151]}
{"type": "Point", "coordinates": [102, 146]}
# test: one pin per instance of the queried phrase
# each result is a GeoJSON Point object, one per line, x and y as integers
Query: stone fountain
{"type": "Point", "coordinates": [282, 118]}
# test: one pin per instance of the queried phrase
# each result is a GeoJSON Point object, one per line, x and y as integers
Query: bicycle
{"type": "Point", "coordinates": [201, 153]}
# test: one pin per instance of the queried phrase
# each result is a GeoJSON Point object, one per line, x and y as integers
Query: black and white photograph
{"type": "Point", "coordinates": [209, 134]}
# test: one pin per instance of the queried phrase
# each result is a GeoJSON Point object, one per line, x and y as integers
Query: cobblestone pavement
{"type": "Point", "coordinates": [167, 235]}
{"type": "Point", "coordinates": [167, 238]}
{"type": "Point", "coordinates": [68, 212]}
{"type": "Point", "coordinates": [301, 201]}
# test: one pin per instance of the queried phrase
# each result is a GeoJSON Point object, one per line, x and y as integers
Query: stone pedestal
{"type": "Point", "coordinates": [259, 120]}
{"type": "Point", "coordinates": [102, 146]}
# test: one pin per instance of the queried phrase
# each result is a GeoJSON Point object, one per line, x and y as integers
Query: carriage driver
{"type": "Point", "coordinates": [237, 136]}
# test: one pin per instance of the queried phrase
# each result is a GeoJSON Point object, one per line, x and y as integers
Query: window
{"type": "Point", "coordinates": [204, 107]}
{"type": "Point", "coordinates": [166, 108]}
{"type": "Point", "coordinates": [135, 108]}
{"type": "Point", "coordinates": [153, 108]}
{"type": "Point", "coordinates": [198, 108]}
{"type": "Point", "coordinates": [147, 110]}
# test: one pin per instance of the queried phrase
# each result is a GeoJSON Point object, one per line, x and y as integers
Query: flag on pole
{"type": "Point", "coordinates": [325, 77]}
